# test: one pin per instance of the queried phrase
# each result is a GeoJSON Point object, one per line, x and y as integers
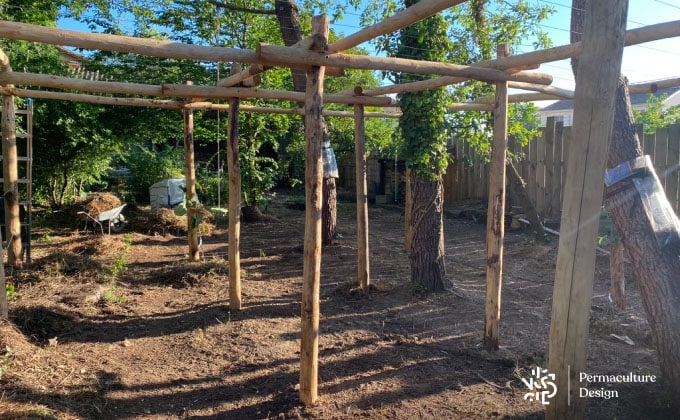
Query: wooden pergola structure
{"type": "Point", "coordinates": [319, 58]}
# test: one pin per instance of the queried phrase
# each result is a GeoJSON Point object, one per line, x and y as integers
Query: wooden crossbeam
{"type": "Point", "coordinates": [406, 17]}
{"type": "Point", "coordinates": [181, 91]}
{"type": "Point", "coordinates": [295, 58]}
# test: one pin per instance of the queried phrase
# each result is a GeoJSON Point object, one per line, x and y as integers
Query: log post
{"type": "Point", "coordinates": [617, 278]}
{"type": "Point", "coordinates": [10, 173]}
{"type": "Point", "coordinates": [495, 225]}
{"type": "Point", "coordinates": [311, 276]}
{"type": "Point", "coordinates": [234, 168]}
{"type": "Point", "coordinates": [596, 80]}
{"type": "Point", "coordinates": [190, 178]}
{"type": "Point", "coordinates": [6, 129]}
{"type": "Point", "coordinates": [363, 272]}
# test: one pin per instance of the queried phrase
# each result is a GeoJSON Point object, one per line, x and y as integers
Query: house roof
{"type": "Point", "coordinates": [72, 55]}
{"type": "Point", "coordinates": [635, 99]}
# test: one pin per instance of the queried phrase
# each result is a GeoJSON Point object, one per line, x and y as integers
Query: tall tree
{"type": "Point", "coordinates": [424, 135]}
{"type": "Point", "coordinates": [655, 262]}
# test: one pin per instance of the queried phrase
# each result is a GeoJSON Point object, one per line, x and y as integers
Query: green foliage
{"type": "Point", "coordinates": [11, 292]}
{"type": "Point", "coordinates": [655, 116]}
{"type": "Point", "coordinates": [149, 166]}
{"type": "Point", "coordinates": [111, 296]}
{"type": "Point", "coordinates": [190, 204]}
{"type": "Point", "coordinates": [422, 124]}
{"type": "Point", "coordinates": [71, 150]}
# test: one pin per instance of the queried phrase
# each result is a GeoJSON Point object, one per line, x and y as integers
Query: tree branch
{"type": "Point", "coordinates": [243, 9]}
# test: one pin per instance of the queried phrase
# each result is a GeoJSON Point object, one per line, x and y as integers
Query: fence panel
{"type": "Point", "coordinates": [544, 165]}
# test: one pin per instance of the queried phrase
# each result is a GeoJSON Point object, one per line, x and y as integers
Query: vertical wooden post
{"type": "Point", "coordinates": [190, 179]}
{"type": "Point", "coordinates": [234, 168]}
{"type": "Point", "coordinates": [617, 278]}
{"type": "Point", "coordinates": [557, 172]}
{"type": "Point", "coordinates": [363, 272]}
{"type": "Point", "coordinates": [596, 80]}
{"type": "Point", "coordinates": [495, 224]}
{"type": "Point", "coordinates": [540, 169]}
{"type": "Point", "coordinates": [549, 167]}
{"type": "Point", "coordinates": [311, 275]}
{"type": "Point", "coordinates": [10, 173]}
{"type": "Point", "coordinates": [8, 130]}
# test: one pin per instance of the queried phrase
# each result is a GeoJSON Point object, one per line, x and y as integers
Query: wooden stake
{"type": "Point", "coordinates": [617, 278]}
{"type": "Point", "coordinates": [495, 225]}
{"type": "Point", "coordinates": [311, 276]}
{"type": "Point", "coordinates": [363, 266]}
{"type": "Point", "coordinates": [10, 173]}
{"type": "Point", "coordinates": [596, 80]}
{"type": "Point", "coordinates": [234, 169]}
{"type": "Point", "coordinates": [190, 178]}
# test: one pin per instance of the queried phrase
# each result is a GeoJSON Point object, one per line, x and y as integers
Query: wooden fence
{"type": "Point", "coordinates": [543, 163]}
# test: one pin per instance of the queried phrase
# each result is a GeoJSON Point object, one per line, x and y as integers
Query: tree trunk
{"type": "Point", "coordinates": [289, 23]}
{"type": "Point", "coordinates": [427, 229]}
{"type": "Point", "coordinates": [329, 213]}
{"type": "Point", "coordinates": [656, 269]}
{"type": "Point", "coordinates": [10, 173]}
{"type": "Point", "coordinates": [518, 190]}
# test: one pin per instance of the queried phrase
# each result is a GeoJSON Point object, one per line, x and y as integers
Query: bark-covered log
{"type": "Point", "coordinates": [329, 213]}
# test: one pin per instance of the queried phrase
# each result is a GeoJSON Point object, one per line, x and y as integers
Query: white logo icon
{"type": "Point", "coordinates": [541, 385]}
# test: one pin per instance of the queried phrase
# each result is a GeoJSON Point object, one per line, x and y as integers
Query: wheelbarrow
{"type": "Point", "coordinates": [116, 221]}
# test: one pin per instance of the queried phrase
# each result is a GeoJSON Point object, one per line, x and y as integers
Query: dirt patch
{"type": "Point", "coordinates": [157, 340]}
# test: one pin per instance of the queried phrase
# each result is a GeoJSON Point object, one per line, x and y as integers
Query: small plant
{"type": "Point", "coordinates": [110, 296]}
{"type": "Point", "coordinates": [120, 263]}
{"type": "Point", "coordinates": [45, 238]}
{"type": "Point", "coordinates": [5, 360]}
{"type": "Point", "coordinates": [11, 292]}
{"type": "Point", "coordinates": [262, 253]}
{"type": "Point", "coordinates": [193, 204]}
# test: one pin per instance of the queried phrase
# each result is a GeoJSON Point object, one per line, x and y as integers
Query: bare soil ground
{"type": "Point", "coordinates": [162, 343]}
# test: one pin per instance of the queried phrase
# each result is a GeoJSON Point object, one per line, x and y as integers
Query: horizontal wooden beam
{"type": "Point", "coordinates": [239, 77]}
{"type": "Point", "coordinates": [550, 90]}
{"type": "Point", "coordinates": [92, 99]}
{"type": "Point", "coordinates": [289, 111]}
{"type": "Point", "coordinates": [120, 43]}
{"type": "Point", "coordinates": [406, 17]}
{"type": "Point", "coordinates": [296, 58]}
{"type": "Point", "coordinates": [181, 91]}
{"type": "Point", "coordinates": [652, 87]}
{"type": "Point", "coordinates": [470, 106]}
{"type": "Point", "coordinates": [167, 49]}
{"type": "Point", "coordinates": [633, 37]}
{"type": "Point", "coordinates": [520, 97]}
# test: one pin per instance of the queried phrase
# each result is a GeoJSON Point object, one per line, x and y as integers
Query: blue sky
{"type": "Point", "coordinates": [645, 62]}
